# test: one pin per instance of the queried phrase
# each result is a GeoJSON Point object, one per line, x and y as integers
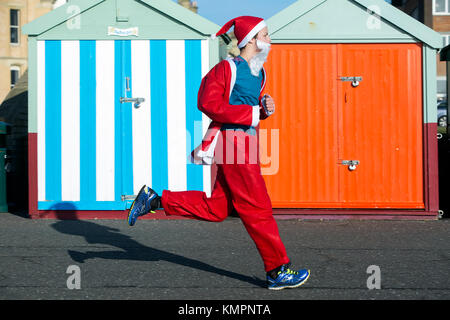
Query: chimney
{"type": "Point", "coordinates": [188, 4]}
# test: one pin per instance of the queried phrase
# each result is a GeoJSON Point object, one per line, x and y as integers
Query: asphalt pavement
{"type": "Point", "coordinates": [187, 259]}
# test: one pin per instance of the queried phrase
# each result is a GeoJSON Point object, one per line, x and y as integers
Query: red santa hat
{"type": "Point", "coordinates": [245, 28]}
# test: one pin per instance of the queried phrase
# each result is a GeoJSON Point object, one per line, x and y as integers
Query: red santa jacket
{"type": "Point", "coordinates": [214, 101]}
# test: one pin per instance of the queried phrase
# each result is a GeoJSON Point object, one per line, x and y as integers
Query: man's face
{"type": "Point", "coordinates": [261, 43]}
{"type": "Point", "coordinates": [263, 35]}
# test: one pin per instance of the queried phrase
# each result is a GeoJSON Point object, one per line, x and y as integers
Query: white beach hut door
{"type": "Point", "coordinates": [114, 115]}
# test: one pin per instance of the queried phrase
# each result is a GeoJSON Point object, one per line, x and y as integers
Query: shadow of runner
{"type": "Point", "coordinates": [133, 250]}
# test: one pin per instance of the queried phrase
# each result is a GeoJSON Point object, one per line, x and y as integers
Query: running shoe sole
{"type": "Point", "coordinates": [291, 286]}
{"type": "Point", "coordinates": [132, 206]}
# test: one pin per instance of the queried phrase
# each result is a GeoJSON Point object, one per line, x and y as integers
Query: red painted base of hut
{"type": "Point", "coordinates": [431, 196]}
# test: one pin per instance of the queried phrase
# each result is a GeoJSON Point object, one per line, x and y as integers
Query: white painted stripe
{"type": "Point", "coordinates": [205, 119]}
{"type": "Point", "coordinates": [142, 151]}
{"type": "Point", "coordinates": [41, 118]}
{"type": "Point", "coordinates": [105, 120]}
{"type": "Point", "coordinates": [70, 120]}
{"type": "Point", "coordinates": [176, 115]}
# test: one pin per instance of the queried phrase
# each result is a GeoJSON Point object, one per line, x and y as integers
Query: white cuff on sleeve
{"type": "Point", "coordinates": [255, 116]}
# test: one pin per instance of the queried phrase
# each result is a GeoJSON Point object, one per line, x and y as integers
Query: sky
{"type": "Point", "coordinates": [222, 11]}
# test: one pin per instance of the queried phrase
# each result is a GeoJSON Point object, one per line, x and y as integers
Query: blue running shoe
{"type": "Point", "coordinates": [287, 278]}
{"type": "Point", "coordinates": [143, 204]}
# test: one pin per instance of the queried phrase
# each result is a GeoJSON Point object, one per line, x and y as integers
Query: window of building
{"type": "Point", "coordinates": [441, 86]}
{"type": "Point", "coordinates": [415, 13]}
{"type": "Point", "coordinates": [15, 72]}
{"type": "Point", "coordinates": [441, 7]}
{"type": "Point", "coordinates": [445, 40]}
{"type": "Point", "coordinates": [14, 25]}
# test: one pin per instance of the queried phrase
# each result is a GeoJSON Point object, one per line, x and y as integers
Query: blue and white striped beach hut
{"type": "Point", "coordinates": [113, 103]}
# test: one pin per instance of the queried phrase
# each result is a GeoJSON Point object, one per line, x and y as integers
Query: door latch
{"type": "Point", "coordinates": [128, 83]}
{"type": "Point", "coordinates": [355, 80]}
{"type": "Point", "coordinates": [127, 197]}
{"type": "Point", "coordinates": [137, 101]}
{"type": "Point", "coordinates": [351, 164]}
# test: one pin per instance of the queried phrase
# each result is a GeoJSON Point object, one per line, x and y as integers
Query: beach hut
{"type": "Point", "coordinates": [354, 134]}
{"type": "Point", "coordinates": [113, 104]}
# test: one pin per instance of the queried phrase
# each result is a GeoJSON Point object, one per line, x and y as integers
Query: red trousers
{"type": "Point", "coordinates": [240, 186]}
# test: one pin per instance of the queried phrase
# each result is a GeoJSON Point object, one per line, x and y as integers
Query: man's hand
{"type": "Point", "coordinates": [270, 104]}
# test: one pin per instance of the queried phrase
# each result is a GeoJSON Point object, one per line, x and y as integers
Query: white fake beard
{"type": "Point", "coordinates": [256, 63]}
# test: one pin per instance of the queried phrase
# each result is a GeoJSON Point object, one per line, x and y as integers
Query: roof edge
{"type": "Point", "coordinates": [57, 16]}
{"type": "Point", "coordinates": [183, 15]}
{"type": "Point", "coordinates": [167, 7]}
{"type": "Point", "coordinates": [389, 13]}
{"type": "Point", "coordinates": [405, 22]}
{"type": "Point", "coordinates": [286, 16]}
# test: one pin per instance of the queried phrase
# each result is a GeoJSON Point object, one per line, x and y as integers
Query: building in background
{"type": "Point", "coordinates": [14, 14]}
{"type": "Point", "coordinates": [58, 3]}
{"type": "Point", "coordinates": [436, 15]}
{"type": "Point", "coordinates": [13, 44]}
{"type": "Point", "coordinates": [188, 4]}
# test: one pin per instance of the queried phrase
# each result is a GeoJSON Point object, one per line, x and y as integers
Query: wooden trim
{"type": "Point", "coordinates": [32, 175]}
{"type": "Point", "coordinates": [431, 168]}
{"type": "Point", "coordinates": [279, 214]}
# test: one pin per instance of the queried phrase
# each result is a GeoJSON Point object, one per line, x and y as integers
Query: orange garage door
{"type": "Point", "coordinates": [324, 121]}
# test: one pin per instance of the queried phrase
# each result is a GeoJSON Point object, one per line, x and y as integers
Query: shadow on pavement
{"type": "Point", "coordinates": [130, 249]}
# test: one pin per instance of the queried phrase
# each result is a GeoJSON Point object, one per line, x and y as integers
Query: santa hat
{"type": "Point", "coordinates": [245, 28]}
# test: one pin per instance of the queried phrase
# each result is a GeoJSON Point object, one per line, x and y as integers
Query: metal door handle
{"type": "Point", "coordinates": [355, 80]}
{"type": "Point", "coordinates": [137, 101]}
{"type": "Point", "coordinates": [351, 164]}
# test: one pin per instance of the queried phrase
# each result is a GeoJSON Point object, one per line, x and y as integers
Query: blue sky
{"type": "Point", "coordinates": [220, 11]}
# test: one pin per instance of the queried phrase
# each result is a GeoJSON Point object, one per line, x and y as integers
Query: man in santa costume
{"type": "Point", "coordinates": [231, 96]}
